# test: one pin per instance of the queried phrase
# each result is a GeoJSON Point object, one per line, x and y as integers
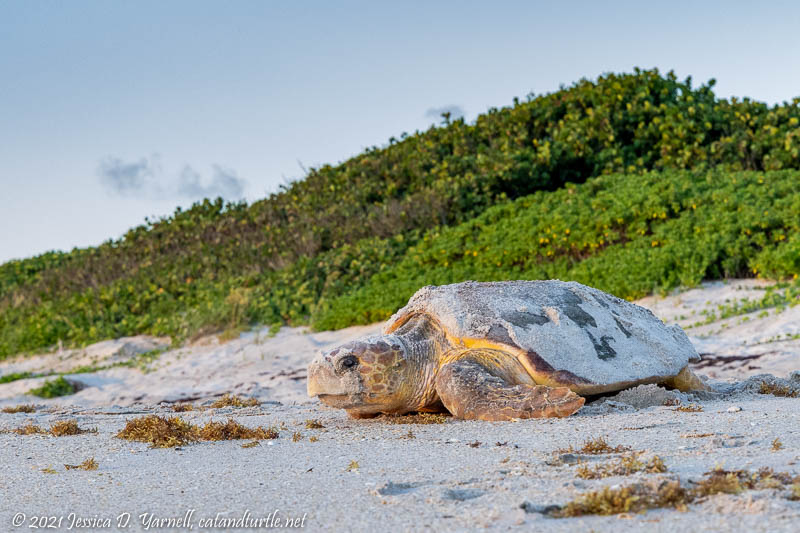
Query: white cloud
{"type": "Point", "coordinates": [128, 178]}
{"type": "Point", "coordinates": [145, 178]}
{"type": "Point", "coordinates": [224, 182]}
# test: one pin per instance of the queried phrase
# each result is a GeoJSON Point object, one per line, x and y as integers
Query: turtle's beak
{"type": "Point", "coordinates": [322, 379]}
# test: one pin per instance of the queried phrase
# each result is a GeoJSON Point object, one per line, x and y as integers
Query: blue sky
{"type": "Point", "coordinates": [111, 111]}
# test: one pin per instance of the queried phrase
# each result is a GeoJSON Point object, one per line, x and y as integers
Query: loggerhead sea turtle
{"type": "Point", "coordinates": [503, 350]}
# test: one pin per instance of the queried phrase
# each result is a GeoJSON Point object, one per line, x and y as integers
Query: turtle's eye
{"type": "Point", "coordinates": [348, 362]}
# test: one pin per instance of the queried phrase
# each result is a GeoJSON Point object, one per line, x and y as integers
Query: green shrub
{"type": "Point", "coordinates": [54, 388]}
{"type": "Point", "coordinates": [317, 249]}
{"type": "Point", "coordinates": [8, 378]}
{"type": "Point", "coordinates": [626, 234]}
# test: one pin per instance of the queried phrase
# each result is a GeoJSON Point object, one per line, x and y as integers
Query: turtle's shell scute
{"type": "Point", "coordinates": [565, 328]}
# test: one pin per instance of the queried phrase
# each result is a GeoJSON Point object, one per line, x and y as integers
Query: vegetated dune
{"type": "Point", "coordinates": [657, 162]}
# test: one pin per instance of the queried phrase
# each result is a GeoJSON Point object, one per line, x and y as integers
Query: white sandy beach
{"type": "Point", "coordinates": [409, 477]}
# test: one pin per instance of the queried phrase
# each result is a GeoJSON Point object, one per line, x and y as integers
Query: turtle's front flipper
{"type": "Point", "coordinates": [470, 391]}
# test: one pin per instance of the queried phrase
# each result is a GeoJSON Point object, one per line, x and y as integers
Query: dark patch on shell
{"type": "Point", "coordinates": [498, 333]}
{"type": "Point", "coordinates": [603, 349]}
{"type": "Point", "coordinates": [523, 319]}
{"type": "Point", "coordinates": [579, 316]}
{"type": "Point", "coordinates": [600, 300]}
{"type": "Point", "coordinates": [622, 328]}
{"type": "Point", "coordinates": [563, 376]}
{"type": "Point", "coordinates": [570, 305]}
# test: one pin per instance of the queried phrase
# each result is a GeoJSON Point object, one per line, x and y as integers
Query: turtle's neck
{"type": "Point", "coordinates": [425, 342]}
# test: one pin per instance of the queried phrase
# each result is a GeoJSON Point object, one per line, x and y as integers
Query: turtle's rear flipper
{"type": "Point", "coordinates": [470, 391]}
{"type": "Point", "coordinates": [687, 381]}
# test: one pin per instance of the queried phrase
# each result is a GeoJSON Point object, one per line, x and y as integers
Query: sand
{"type": "Point", "coordinates": [255, 364]}
{"type": "Point", "coordinates": [409, 477]}
{"type": "Point", "coordinates": [433, 479]}
{"type": "Point", "coordinates": [739, 346]}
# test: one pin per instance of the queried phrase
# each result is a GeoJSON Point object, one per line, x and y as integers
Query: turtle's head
{"type": "Point", "coordinates": [364, 377]}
